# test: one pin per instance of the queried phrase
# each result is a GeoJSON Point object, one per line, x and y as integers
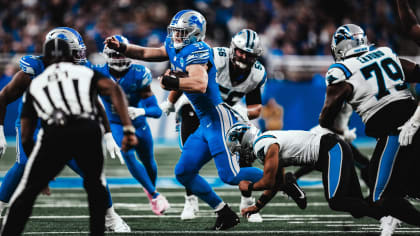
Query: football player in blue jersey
{"type": "Point", "coordinates": [135, 80]}
{"type": "Point", "coordinates": [31, 66]}
{"type": "Point", "coordinates": [188, 53]}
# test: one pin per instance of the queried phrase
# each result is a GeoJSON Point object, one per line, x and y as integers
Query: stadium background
{"type": "Point", "coordinates": [295, 34]}
{"type": "Point", "coordinates": [296, 38]}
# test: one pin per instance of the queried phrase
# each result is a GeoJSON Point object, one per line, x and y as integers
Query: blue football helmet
{"type": "Point", "coordinates": [75, 40]}
{"type": "Point", "coordinates": [240, 139]}
{"type": "Point", "coordinates": [348, 40]}
{"type": "Point", "coordinates": [186, 27]}
{"type": "Point", "coordinates": [116, 60]}
{"type": "Point", "coordinates": [247, 41]}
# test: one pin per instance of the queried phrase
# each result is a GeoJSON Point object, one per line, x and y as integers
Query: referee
{"type": "Point", "coordinates": [63, 97]}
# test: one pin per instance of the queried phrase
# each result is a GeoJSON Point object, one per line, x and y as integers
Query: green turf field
{"type": "Point", "coordinates": [65, 211]}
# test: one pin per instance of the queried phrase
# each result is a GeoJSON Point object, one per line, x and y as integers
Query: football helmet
{"type": "Point", "coordinates": [239, 140]}
{"type": "Point", "coordinates": [348, 40]}
{"type": "Point", "coordinates": [186, 27]}
{"type": "Point", "coordinates": [116, 60]}
{"type": "Point", "coordinates": [75, 40]}
{"type": "Point", "coordinates": [249, 43]}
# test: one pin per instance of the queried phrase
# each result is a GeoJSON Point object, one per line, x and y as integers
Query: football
{"type": "Point", "coordinates": [178, 74]}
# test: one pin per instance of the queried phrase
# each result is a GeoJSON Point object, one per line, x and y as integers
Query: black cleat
{"type": "Point", "coordinates": [292, 189]}
{"type": "Point", "coordinates": [226, 219]}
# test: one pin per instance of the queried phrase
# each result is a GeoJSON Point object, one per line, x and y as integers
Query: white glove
{"type": "Point", "coordinates": [134, 112]}
{"type": "Point", "coordinates": [349, 135]}
{"type": "Point", "coordinates": [112, 147]}
{"type": "Point", "coordinates": [167, 107]}
{"type": "Point", "coordinates": [3, 143]}
{"type": "Point", "coordinates": [408, 130]}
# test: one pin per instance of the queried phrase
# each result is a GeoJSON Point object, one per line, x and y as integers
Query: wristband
{"type": "Point", "coordinates": [122, 48]}
{"type": "Point", "coordinates": [170, 83]}
{"type": "Point", "coordinates": [250, 187]}
{"type": "Point", "coordinates": [129, 129]}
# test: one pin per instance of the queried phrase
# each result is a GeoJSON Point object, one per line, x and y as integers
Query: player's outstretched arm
{"type": "Point", "coordinates": [137, 52]}
{"type": "Point", "coordinates": [409, 20]}
{"type": "Point", "coordinates": [12, 91]}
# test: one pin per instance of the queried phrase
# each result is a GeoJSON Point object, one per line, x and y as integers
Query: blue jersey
{"type": "Point", "coordinates": [136, 79]}
{"type": "Point", "coordinates": [33, 66]}
{"type": "Point", "coordinates": [197, 53]}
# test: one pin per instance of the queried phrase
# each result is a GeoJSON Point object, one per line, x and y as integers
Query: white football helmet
{"type": "Point", "coordinates": [348, 40]}
{"type": "Point", "coordinates": [75, 40]}
{"type": "Point", "coordinates": [248, 41]}
{"type": "Point", "coordinates": [239, 140]}
{"type": "Point", "coordinates": [186, 27]}
{"type": "Point", "coordinates": [116, 60]}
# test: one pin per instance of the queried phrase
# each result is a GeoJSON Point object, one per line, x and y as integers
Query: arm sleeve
{"type": "Point", "coordinates": [151, 106]}
{"type": "Point", "coordinates": [254, 97]}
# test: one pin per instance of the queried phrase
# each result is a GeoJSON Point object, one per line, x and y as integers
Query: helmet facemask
{"type": "Point", "coordinates": [239, 140]}
{"type": "Point", "coordinates": [115, 60]}
{"type": "Point", "coordinates": [186, 27]}
{"type": "Point", "coordinates": [245, 48]}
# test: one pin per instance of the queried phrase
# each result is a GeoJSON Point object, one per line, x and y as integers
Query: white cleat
{"type": "Point", "coordinates": [190, 208]}
{"type": "Point", "coordinates": [388, 225]}
{"type": "Point", "coordinates": [114, 223]}
{"type": "Point", "coordinates": [247, 202]}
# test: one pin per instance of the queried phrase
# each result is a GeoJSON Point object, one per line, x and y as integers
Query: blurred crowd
{"type": "Point", "coordinates": [287, 27]}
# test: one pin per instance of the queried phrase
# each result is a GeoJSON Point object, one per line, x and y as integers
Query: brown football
{"type": "Point", "coordinates": [178, 74]}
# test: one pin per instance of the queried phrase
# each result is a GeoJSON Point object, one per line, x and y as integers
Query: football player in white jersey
{"type": "Point", "coordinates": [239, 74]}
{"type": "Point", "coordinates": [327, 153]}
{"type": "Point", "coordinates": [373, 82]}
{"type": "Point", "coordinates": [340, 123]}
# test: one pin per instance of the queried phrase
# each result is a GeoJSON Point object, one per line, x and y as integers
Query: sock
{"type": "Point", "coordinates": [220, 206]}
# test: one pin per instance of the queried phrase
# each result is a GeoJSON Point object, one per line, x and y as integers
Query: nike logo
{"type": "Point", "coordinates": [208, 125]}
{"type": "Point", "coordinates": [302, 194]}
{"type": "Point", "coordinates": [219, 227]}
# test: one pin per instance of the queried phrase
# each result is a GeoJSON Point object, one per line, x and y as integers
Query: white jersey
{"type": "Point", "coordinates": [232, 94]}
{"type": "Point", "coordinates": [377, 79]}
{"type": "Point", "coordinates": [297, 147]}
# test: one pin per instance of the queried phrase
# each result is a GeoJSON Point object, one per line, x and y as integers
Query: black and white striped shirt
{"type": "Point", "coordinates": [63, 88]}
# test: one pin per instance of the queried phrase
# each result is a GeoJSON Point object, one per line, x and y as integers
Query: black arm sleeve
{"type": "Point", "coordinates": [254, 97]}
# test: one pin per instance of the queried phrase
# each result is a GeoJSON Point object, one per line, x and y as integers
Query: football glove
{"type": "Point", "coordinates": [112, 147]}
{"type": "Point", "coordinates": [3, 143]}
{"type": "Point", "coordinates": [167, 107]}
{"type": "Point", "coordinates": [408, 130]}
{"type": "Point", "coordinates": [349, 135]}
{"type": "Point", "coordinates": [134, 112]}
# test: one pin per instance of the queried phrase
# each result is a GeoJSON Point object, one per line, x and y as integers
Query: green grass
{"type": "Point", "coordinates": [65, 211]}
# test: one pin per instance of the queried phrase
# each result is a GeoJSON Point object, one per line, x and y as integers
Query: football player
{"type": "Point", "coordinates": [31, 66]}
{"type": "Point", "coordinates": [326, 153]}
{"type": "Point", "coordinates": [239, 74]}
{"type": "Point", "coordinates": [373, 81]}
{"type": "Point", "coordinates": [348, 135]}
{"type": "Point", "coordinates": [135, 80]}
{"type": "Point", "coordinates": [187, 52]}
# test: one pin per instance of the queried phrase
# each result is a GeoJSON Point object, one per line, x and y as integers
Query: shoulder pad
{"type": "Point", "coordinates": [337, 73]}
{"type": "Point", "coordinates": [262, 142]}
{"type": "Point", "coordinates": [143, 74]}
{"type": "Point", "coordinates": [260, 73]}
{"type": "Point", "coordinates": [31, 65]}
{"type": "Point", "coordinates": [197, 53]}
